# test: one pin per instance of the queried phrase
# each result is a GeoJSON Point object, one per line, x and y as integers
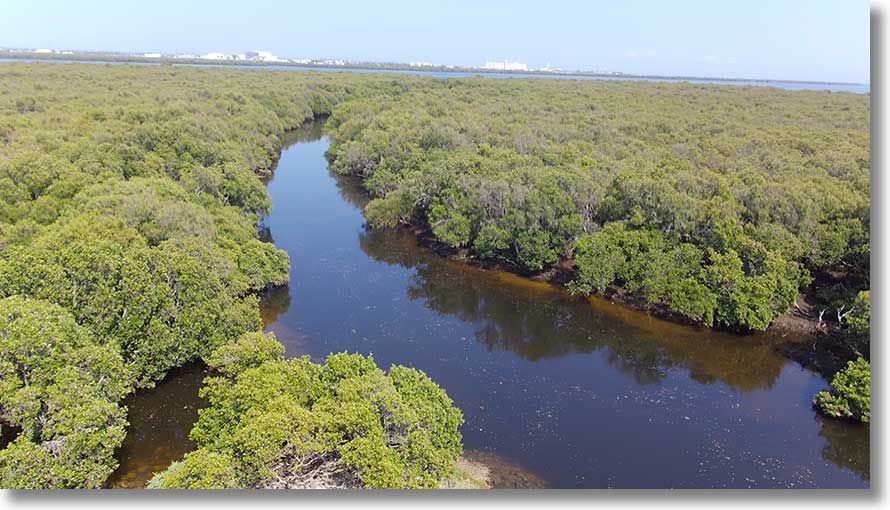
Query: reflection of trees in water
{"type": "Point", "coordinates": [311, 131]}
{"type": "Point", "coordinates": [274, 303]}
{"type": "Point", "coordinates": [265, 233]}
{"type": "Point", "coordinates": [846, 446]}
{"type": "Point", "coordinates": [351, 190]}
{"type": "Point", "coordinates": [534, 323]}
{"type": "Point", "coordinates": [538, 321]}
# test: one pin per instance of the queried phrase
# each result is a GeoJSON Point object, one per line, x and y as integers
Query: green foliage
{"type": "Point", "coordinates": [60, 388]}
{"type": "Point", "coordinates": [250, 350]}
{"type": "Point", "coordinates": [389, 211]}
{"type": "Point", "coordinates": [739, 299]}
{"type": "Point", "coordinates": [449, 225]}
{"type": "Point", "coordinates": [745, 191]}
{"type": "Point", "coordinates": [198, 470]}
{"type": "Point", "coordinates": [162, 305]}
{"type": "Point", "coordinates": [292, 423]}
{"type": "Point", "coordinates": [130, 198]}
{"type": "Point", "coordinates": [708, 288]}
{"type": "Point", "coordinates": [492, 241]}
{"type": "Point", "coordinates": [600, 262]}
{"type": "Point", "coordinates": [850, 395]}
{"type": "Point", "coordinates": [859, 321]}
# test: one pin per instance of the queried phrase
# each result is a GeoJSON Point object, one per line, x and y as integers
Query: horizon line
{"type": "Point", "coordinates": [288, 61]}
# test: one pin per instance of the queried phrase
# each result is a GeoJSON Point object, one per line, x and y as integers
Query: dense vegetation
{"type": "Point", "coordinates": [130, 198]}
{"type": "Point", "coordinates": [850, 395]}
{"type": "Point", "coordinates": [129, 203]}
{"type": "Point", "coordinates": [718, 203]}
{"type": "Point", "coordinates": [858, 323]}
{"type": "Point", "coordinates": [59, 386]}
{"type": "Point", "coordinates": [278, 423]}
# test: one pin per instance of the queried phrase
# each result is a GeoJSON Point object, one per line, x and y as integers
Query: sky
{"type": "Point", "coordinates": [826, 40]}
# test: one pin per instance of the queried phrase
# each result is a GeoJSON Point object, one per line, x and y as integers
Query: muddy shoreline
{"type": "Point", "coordinates": [485, 470]}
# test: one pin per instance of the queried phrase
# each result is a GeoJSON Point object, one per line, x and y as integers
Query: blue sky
{"type": "Point", "coordinates": [786, 39]}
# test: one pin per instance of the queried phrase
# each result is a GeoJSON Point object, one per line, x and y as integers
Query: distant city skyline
{"type": "Point", "coordinates": [269, 57]}
{"type": "Point", "coordinates": [821, 40]}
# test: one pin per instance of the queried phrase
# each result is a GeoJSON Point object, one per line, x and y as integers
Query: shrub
{"type": "Point", "coordinates": [295, 424]}
{"type": "Point", "coordinates": [850, 395]}
{"type": "Point", "coordinates": [389, 211]}
{"type": "Point", "coordinates": [200, 469]}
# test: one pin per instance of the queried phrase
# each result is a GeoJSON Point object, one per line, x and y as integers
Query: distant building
{"type": "Point", "coordinates": [43, 50]}
{"type": "Point", "coordinates": [152, 55]}
{"type": "Point", "coordinates": [262, 56]}
{"type": "Point", "coordinates": [506, 65]}
{"type": "Point", "coordinates": [215, 56]}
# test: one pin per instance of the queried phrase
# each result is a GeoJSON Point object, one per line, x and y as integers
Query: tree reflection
{"type": "Point", "coordinates": [274, 303]}
{"type": "Point", "coordinates": [537, 320]}
{"type": "Point", "coordinates": [311, 131]}
{"type": "Point", "coordinates": [846, 445]}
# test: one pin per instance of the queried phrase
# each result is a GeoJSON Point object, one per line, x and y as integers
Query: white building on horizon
{"type": "Point", "coordinates": [506, 65]}
{"type": "Point", "coordinates": [215, 55]}
{"type": "Point", "coordinates": [263, 56]}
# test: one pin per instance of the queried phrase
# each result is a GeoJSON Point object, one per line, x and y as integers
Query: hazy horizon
{"type": "Point", "coordinates": [828, 41]}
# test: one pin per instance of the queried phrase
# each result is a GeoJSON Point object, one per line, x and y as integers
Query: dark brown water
{"type": "Point", "coordinates": [583, 393]}
{"type": "Point", "coordinates": [160, 421]}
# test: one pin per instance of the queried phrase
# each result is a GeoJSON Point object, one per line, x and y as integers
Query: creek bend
{"type": "Point", "coordinates": [583, 393]}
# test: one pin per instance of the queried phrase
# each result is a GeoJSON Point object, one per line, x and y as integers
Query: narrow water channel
{"type": "Point", "coordinates": [583, 393]}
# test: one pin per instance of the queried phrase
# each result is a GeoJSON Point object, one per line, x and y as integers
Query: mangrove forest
{"type": "Point", "coordinates": [134, 240]}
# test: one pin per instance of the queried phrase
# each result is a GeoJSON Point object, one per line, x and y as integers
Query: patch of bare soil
{"type": "Point", "coordinates": [803, 318]}
{"type": "Point", "coordinates": [821, 345]}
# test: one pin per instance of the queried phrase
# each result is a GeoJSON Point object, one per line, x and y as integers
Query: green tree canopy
{"type": "Point", "coordinates": [59, 390]}
{"type": "Point", "coordinates": [295, 424]}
